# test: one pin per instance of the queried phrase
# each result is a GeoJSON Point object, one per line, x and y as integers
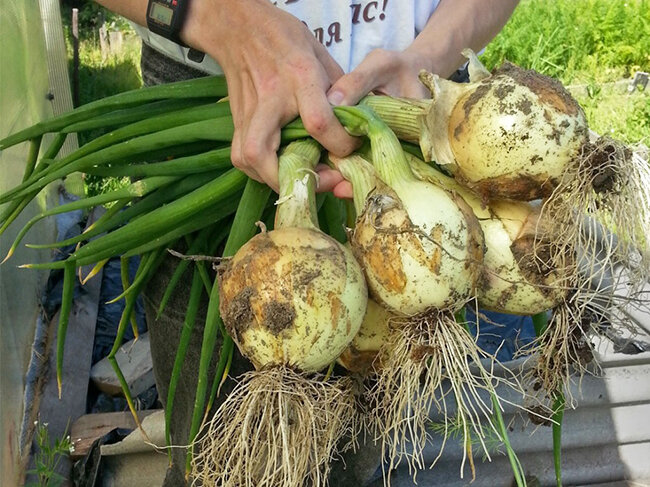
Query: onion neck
{"type": "Point", "coordinates": [361, 174]}
{"type": "Point", "coordinates": [387, 154]}
{"type": "Point", "coordinates": [297, 201]}
{"type": "Point", "coordinates": [402, 115]}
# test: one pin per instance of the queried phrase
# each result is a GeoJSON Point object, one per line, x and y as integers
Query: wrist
{"type": "Point", "coordinates": [192, 32]}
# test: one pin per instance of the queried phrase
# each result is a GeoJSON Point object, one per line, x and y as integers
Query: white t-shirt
{"type": "Point", "coordinates": [349, 29]}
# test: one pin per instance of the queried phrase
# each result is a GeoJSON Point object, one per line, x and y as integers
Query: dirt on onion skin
{"type": "Point", "coordinates": [278, 316]}
{"type": "Point", "coordinates": [519, 187]}
{"type": "Point", "coordinates": [601, 157]}
{"type": "Point", "coordinates": [381, 253]}
{"type": "Point", "coordinates": [549, 90]}
{"type": "Point", "coordinates": [239, 313]}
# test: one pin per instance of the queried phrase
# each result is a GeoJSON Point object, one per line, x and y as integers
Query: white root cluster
{"type": "Point", "coordinates": [433, 364]}
{"type": "Point", "coordinates": [600, 213]}
{"type": "Point", "coordinates": [276, 428]}
{"type": "Point", "coordinates": [601, 209]}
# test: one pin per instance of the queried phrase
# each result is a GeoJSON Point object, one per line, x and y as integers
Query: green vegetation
{"type": "Point", "coordinates": [576, 41]}
{"type": "Point", "coordinates": [48, 456]}
{"type": "Point", "coordinates": [102, 74]}
{"type": "Point", "coordinates": [585, 42]}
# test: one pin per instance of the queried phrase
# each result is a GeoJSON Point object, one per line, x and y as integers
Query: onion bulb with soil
{"type": "Point", "coordinates": [292, 299]}
{"type": "Point", "coordinates": [509, 134]}
{"type": "Point", "coordinates": [514, 278]}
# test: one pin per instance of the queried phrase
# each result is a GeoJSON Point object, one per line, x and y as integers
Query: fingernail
{"type": "Point", "coordinates": [335, 97]}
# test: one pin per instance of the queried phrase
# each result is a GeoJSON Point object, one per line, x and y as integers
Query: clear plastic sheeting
{"type": "Point", "coordinates": [26, 89]}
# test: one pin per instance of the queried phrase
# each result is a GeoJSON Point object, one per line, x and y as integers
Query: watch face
{"type": "Point", "coordinates": [161, 14]}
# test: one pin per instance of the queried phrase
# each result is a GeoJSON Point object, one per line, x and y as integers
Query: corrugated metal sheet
{"type": "Point", "coordinates": [606, 438]}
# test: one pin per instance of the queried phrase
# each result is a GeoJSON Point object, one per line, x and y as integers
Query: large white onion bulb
{"type": "Point", "coordinates": [294, 297]}
{"type": "Point", "coordinates": [509, 134]}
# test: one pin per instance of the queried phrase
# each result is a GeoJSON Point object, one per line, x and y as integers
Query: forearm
{"type": "Point", "coordinates": [456, 25]}
{"type": "Point", "coordinates": [135, 10]}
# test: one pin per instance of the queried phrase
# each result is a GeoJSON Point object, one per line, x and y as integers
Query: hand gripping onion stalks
{"type": "Point", "coordinates": [421, 250]}
{"type": "Point", "coordinates": [292, 299]}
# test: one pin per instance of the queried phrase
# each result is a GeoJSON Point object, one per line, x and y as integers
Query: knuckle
{"type": "Point", "coordinates": [270, 86]}
{"type": "Point", "coordinates": [315, 122]}
{"type": "Point", "coordinates": [251, 151]}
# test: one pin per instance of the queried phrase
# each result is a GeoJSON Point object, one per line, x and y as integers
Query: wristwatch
{"type": "Point", "coordinates": [166, 18]}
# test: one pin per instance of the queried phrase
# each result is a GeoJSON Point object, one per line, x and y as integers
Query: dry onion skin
{"type": "Point", "coordinates": [292, 299]}
{"type": "Point", "coordinates": [423, 265]}
{"type": "Point", "coordinates": [510, 134]}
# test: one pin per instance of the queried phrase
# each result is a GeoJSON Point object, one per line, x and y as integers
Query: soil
{"type": "Point", "coordinates": [278, 316]}
{"type": "Point", "coordinates": [550, 91]}
{"type": "Point", "coordinates": [239, 314]}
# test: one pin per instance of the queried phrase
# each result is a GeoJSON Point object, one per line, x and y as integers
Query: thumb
{"type": "Point", "coordinates": [374, 71]}
{"type": "Point", "coordinates": [351, 87]}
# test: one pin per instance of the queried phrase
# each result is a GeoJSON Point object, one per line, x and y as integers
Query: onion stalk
{"type": "Point", "coordinates": [292, 299]}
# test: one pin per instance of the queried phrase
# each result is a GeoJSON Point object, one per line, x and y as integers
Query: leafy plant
{"type": "Point", "coordinates": [48, 456]}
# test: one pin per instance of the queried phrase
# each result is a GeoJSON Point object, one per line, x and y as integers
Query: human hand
{"type": "Point", "coordinates": [383, 72]}
{"type": "Point", "coordinates": [275, 70]}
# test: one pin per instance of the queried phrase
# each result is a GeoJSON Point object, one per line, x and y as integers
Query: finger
{"type": "Point", "coordinates": [321, 123]}
{"type": "Point", "coordinates": [237, 111]}
{"type": "Point", "coordinates": [372, 72]}
{"type": "Point", "coordinates": [332, 68]}
{"type": "Point", "coordinates": [343, 190]}
{"type": "Point", "coordinates": [328, 178]}
{"type": "Point", "coordinates": [262, 142]}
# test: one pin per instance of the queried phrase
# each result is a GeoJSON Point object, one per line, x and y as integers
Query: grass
{"type": "Point", "coordinates": [48, 456]}
{"type": "Point", "coordinates": [576, 40]}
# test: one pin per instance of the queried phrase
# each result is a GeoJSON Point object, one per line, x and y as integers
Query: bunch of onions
{"type": "Point", "coordinates": [515, 134]}
{"type": "Point", "coordinates": [292, 299]}
{"type": "Point", "coordinates": [421, 249]}
{"type": "Point", "coordinates": [518, 134]}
